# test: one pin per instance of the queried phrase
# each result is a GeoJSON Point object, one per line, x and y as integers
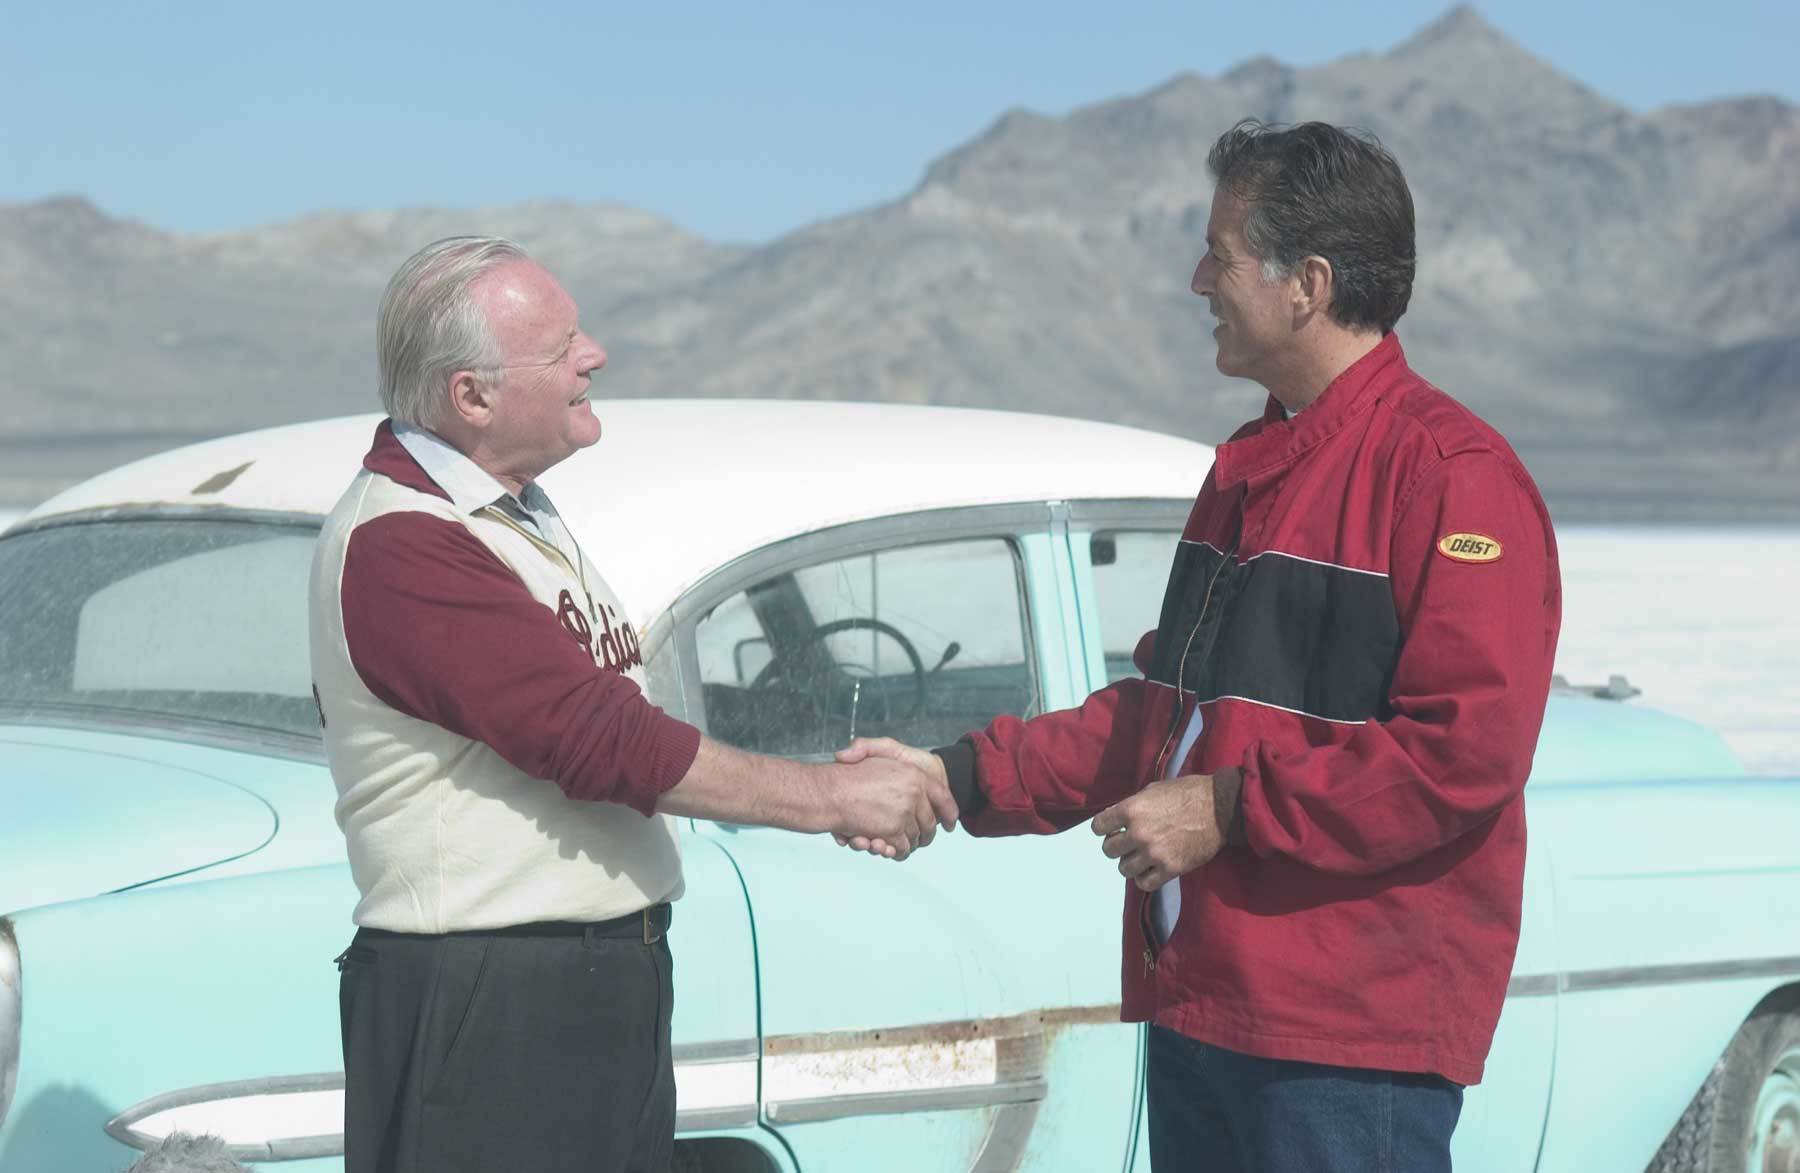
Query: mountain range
{"type": "Point", "coordinates": [1618, 292]}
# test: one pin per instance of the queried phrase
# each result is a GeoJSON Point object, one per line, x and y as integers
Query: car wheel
{"type": "Point", "coordinates": [1746, 1116]}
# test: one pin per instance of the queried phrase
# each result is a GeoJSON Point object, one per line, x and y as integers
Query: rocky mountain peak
{"type": "Point", "coordinates": [1461, 29]}
{"type": "Point", "coordinates": [56, 214]}
{"type": "Point", "coordinates": [1617, 293]}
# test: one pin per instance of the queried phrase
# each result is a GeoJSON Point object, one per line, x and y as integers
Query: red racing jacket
{"type": "Point", "coordinates": [1364, 604]}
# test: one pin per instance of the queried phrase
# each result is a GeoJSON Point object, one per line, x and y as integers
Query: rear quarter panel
{"type": "Point", "coordinates": [1676, 904]}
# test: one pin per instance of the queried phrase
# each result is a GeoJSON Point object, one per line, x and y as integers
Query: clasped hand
{"type": "Point", "coordinates": [866, 753]}
{"type": "Point", "coordinates": [892, 803]}
{"type": "Point", "coordinates": [1162, 831]}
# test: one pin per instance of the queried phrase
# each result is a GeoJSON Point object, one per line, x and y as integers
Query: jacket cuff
{"type": "Point", "coordinates": [1228, 807]}
{"type": "Point", "coordinates": [959, 771]}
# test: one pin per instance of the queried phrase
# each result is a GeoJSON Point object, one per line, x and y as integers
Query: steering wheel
{"type": "Point", "coordinates": [813, 671]}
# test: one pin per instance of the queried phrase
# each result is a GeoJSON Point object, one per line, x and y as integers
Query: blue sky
{"type": "Point", "coordinates": [738, 120]}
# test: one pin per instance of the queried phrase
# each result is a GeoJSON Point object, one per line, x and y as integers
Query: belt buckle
{"type": "Point", "coordinates": [652, 934]}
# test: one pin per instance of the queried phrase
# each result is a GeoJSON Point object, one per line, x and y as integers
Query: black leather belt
{"type": "Point", "coordinates": [647, 926]}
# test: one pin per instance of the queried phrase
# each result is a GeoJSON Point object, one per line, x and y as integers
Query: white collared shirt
{"type": "Point", "coordinates": [471, 487]}
{"type": "Point", "coordinates": [1165, 905]}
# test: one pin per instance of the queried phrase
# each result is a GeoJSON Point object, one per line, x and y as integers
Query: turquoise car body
{"type": "Point", "coordinates": [174, 894]}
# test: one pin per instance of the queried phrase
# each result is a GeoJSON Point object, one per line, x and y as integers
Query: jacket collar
{"type": "Point", "coordinates": [1276, 439]}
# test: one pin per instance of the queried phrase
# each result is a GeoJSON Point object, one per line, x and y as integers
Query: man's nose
{"type": "Point", "coordinates": [1202, 282]}
{"type": "Point", "coordinates": [594, 359]}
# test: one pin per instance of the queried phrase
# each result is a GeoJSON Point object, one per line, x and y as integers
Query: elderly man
{"type": "Point", "coordinates": [1316, 787]}
{"type": "Point", "coordinates": [503, 785]}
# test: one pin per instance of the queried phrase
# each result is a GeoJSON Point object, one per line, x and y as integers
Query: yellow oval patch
{"type": "Point", "coordinates": [1469, 547]}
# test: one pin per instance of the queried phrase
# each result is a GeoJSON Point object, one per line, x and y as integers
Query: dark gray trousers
{"type": "Point", "coordinates": [538, 1047]}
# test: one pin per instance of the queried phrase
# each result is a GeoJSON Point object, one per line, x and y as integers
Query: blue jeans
{"type": "Point", "coordinates": [1216, 1111]}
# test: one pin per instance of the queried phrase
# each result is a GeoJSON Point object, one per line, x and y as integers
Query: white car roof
{"type": "Point", "coordinates": [685, 486]}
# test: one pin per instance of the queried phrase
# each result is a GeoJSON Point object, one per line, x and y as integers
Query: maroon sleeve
{"type": "Point", "coordinates": [440, 629]}
{"type": "Point", "coordinates": [1044, 775]}
{"type": "Point", "coordinates": [1466, 699]}
{"type": "Point", "coordinates": [1053, 771]}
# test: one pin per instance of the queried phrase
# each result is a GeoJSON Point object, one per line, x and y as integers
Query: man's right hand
{"type": "Point", "coordinates": [890, 806]}
{"type": "Point", "coordinates": [867, 751]}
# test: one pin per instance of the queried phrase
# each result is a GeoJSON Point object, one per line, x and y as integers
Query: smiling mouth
{"type": "Point", "coordinates": [579, 400]}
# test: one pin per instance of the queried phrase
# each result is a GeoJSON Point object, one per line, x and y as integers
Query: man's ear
{"type": "Point", "coordinates": [1314, 285]}
{"type": "Point", "coordinates": [469, 399]}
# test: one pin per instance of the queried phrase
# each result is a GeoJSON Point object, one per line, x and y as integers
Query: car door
{"type": "Point", "coordinates": [959, 1010]}
{"type": "Point", "coordinates": [1121, 552]}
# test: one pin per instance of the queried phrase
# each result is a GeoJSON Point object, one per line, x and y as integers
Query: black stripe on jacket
{"type": "Point", "coordinates": [1278, 630]}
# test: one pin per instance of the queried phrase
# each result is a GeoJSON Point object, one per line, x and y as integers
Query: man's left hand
{"type": "Point", "coordinates": [1162, 831]}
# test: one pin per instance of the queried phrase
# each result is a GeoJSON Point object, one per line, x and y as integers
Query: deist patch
{"type": "Point", "coordinates": [1469, 547]}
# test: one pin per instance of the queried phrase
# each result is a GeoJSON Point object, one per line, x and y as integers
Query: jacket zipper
{"type": "Point", "coordinates": [1152, 951]}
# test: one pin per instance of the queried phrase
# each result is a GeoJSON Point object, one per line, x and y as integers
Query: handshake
{"type": "Point", "coordinates": [895, 797]}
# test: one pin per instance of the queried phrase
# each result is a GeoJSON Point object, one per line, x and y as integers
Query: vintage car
{"type": "Point", "coordinates": [175, 888]}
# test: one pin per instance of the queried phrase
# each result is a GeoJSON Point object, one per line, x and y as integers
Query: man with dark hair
{"type": "Point", "coordinates": [1316, 788]}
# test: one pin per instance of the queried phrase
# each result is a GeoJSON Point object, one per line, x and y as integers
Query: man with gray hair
{"type": "Point", "coordinates": [504, 787]}
{"type": "Point", "coordinates": [1315, 789]}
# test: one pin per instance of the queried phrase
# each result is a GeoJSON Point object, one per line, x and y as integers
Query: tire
{"type": "Point", "coordinates": [1746, 1116]}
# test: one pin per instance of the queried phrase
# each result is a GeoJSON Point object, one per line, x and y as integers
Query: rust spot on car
{"type": "Point", "coordinates": [1107, 1015]}
{"type": "Point", "coordinates": [220, 481]}
{"type": "Point", "coordinates": [1016, 1029]}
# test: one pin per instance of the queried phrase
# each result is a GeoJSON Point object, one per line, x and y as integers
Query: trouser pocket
{"type": "Point", "coordinates": [455, 1015]}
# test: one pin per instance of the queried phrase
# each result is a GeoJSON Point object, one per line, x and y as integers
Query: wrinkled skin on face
{"type": "Point", "coordinates": [539, 412]}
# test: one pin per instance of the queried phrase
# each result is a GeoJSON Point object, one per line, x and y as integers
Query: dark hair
{"type": "Point", "coordinates": [1318, 190]}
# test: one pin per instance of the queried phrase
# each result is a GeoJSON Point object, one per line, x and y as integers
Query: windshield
{"type": "Point", "coordinates": [183, 618]}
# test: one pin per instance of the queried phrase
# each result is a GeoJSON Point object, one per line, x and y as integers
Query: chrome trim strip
{"type": "Point", "coordinates": [12, 1008]}
{"type": "Point", "coordinates": [281, 1148]}
{"type": "Point", "coordinates": [719, 1082]}
{"type": "Point", "coordinates": [1011, 1051]}
{"type": "Point", "coordinates": [929, 1100]}
{"type": "Point", "coordinates": [1108, 515]}
{"type": "Point", "coordinates": [299, 519]}
{"type": "Point", "coordinates": [1015, 1087]}
{"type": "Point", "coordinates": [121, 1129]}
{"type": "Point", "coordinates": [1538, 985]}
{"type": "Point", "coordinates": [251, 739]}
{"type": "Point", "coordinates": [714, 1119]}
{"type": "Point", "coordinates": [1533, 985]}
{"type": "Point", "coordinates": [1004, 1146]}
{"type": "Point", "coordinates": [725, 1051]}
{"type": "Point", "coordinates": [1668, 975]}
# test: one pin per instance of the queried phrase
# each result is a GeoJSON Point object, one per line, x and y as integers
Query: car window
{"type": "Point", "coordinates": [1131, 567]}
{"type": "Point", "coordinates": [922, 643]}
{"type": "Point", "coordinates": [179, 618]}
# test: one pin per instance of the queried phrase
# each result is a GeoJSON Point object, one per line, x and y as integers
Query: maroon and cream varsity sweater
{"type": "Point", "coordinates": [496, 760]}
